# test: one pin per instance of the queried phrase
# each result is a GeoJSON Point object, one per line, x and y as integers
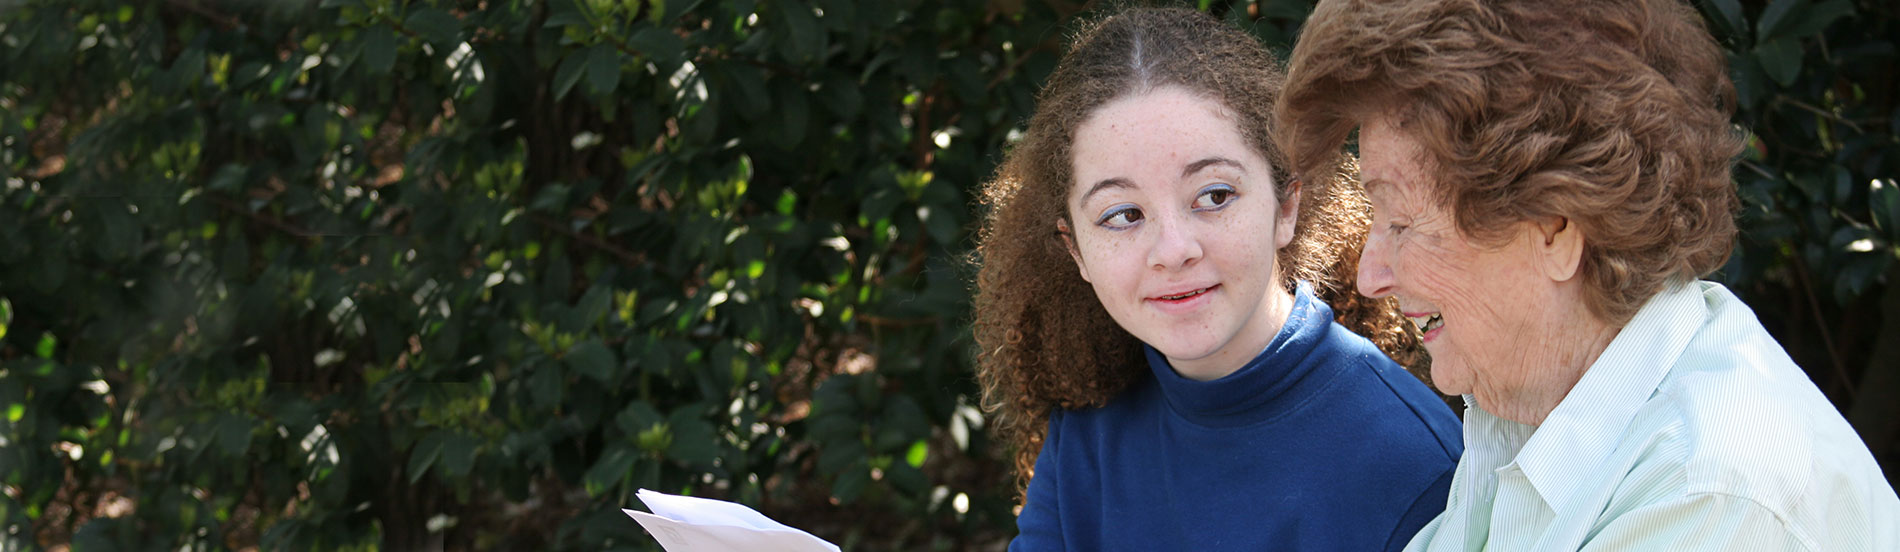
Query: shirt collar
{"type": "Point", "coordinates": [1270, 385]}
{"type": "Point", "coordinates": [1585, 427]}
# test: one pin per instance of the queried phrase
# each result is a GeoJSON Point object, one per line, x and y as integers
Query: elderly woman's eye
{"type": "Point", "coordinates": [1396, 228]}
{"type": "Point", "coordinates": [1214, 197]}
{"type": "Point", "coordinates": [1119, 218]}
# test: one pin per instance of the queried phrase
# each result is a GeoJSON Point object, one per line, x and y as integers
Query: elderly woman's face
{"type": "Point", "coordinates": [1486, 310]}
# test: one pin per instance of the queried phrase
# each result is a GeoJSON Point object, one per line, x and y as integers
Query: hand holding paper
{"type": "Point", "coordinates": [689, 524]}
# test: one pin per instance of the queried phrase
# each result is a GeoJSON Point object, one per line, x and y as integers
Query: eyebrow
{"type": "Point", "coordinates": [1190, 169]}
{"type": "Point", "coordinates": [1117, 182]}
{"type": "Point", "coordinates": [1205, 163]}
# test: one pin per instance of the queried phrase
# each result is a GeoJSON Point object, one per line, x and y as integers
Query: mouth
{"type": "Point", "coordinates": [1184, 296]}
{"type": "Point", "coordinates": [1427, 322]}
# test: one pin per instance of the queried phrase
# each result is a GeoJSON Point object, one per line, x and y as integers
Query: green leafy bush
{"type": "Point", "coordinates": [384, 274]}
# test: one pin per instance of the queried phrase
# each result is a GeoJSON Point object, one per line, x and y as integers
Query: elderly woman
{"type": "Point", "coordinates": [1549, 181]}
{"type": "Point", "coordinates": [1150, 317]}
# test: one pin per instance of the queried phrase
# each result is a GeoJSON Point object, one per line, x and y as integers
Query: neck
{"type": "Point", "coordinates": [1252, 339]}
{"type": "Point", "coordinates": [1574, 347]}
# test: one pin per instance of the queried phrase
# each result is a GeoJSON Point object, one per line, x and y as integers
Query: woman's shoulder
{"type": "Point", "coordinates": [1391, 395]}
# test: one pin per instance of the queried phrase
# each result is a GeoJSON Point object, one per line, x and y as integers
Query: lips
{"type": "Point", "coordinates": [1183, 296]}
{"type": "Point", "coordinates": [1427, 322]}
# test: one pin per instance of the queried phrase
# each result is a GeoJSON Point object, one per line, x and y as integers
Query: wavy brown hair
{"type": "Point", "coordinates": [1613, 114]}
{"type": "Point", "coordinates": [1044, 339]}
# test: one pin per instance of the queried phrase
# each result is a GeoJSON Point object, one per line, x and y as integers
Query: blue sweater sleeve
{"type": "Point", "coordinates": [1426, 508]}
{"type": "Point", "coordinates": [1039, 527]}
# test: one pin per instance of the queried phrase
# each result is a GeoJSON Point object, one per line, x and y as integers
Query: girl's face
{"type": "Point", "coordinates": [1176, 228]}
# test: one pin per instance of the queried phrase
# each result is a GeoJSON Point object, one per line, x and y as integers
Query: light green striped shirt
{"type": "Point", "coordinates": [1692, 431]}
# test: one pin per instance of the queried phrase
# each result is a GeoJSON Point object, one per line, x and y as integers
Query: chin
{"type": "Point", "coordinates": [1449, 380]}
{"type": "Point", "coordinates": [1185, 353]}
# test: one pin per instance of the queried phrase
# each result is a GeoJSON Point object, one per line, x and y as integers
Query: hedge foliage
{"type": "Point", "coordinates": [419, 274]}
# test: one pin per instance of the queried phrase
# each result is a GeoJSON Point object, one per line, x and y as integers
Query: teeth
{"type": "Point", "coordinates": [1428, 322]}
{"type": "Point", "coordinates": [1184, 295]}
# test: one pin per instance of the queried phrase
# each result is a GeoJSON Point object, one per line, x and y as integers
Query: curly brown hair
{"type": "Point", "coordinates": [1613, 114]}
{"type": "Point", "coordinates": [1044, 339]}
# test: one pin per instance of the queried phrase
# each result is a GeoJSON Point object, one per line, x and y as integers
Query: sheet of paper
{"type": "Point", "coordinates": [691, 524]}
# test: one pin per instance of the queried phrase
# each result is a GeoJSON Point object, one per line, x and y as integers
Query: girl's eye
{"type": "Point", "coordinates": [1214, 197]}
{"type": "Point", "coordinates": [1120, 217]}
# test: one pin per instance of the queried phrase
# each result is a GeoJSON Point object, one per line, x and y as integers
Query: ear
{"type": "Point", "coordinates": [1068, 243]}
{"type": "Point", "coordinates": [1288, 218]}
{"type": "Point", "coordinates": [1560, 250]}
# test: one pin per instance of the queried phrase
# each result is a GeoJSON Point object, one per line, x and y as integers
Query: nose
{"type": "Point", "coordinates": [1177, 245]}
{"type": "Point", "coordinates": [1375, 267]}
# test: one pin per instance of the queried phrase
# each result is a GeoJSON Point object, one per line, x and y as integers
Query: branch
{"type": "Point", "coordinates": [223, 20]}
{"type": "Point", "coordinates": [626, 257]}
{"type": "Point", "coordinates": [1783, 98]}
{"type": "Point", "coordinates": [272, 222]}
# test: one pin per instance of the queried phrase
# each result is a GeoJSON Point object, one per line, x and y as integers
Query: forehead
{"type": "Point", "coordinates": [1390, 161]}
{"type": "Point", "coordinates": [1138, 130]}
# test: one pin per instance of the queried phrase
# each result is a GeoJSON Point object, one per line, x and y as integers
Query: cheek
{"type": "Point", "coordinates": [1107, 255]}
{"type": "Point", "coordinates": [1437, 273]}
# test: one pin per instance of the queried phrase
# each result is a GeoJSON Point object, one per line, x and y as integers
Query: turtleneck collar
{"type": "Point", "coordinates": [1275, 382]}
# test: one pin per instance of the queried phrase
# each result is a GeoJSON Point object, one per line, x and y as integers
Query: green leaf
{"type": "Point", "coordinates": [6, 316]}
{"type": "Point", "coordinates": [424, 454]}
{"type": "Point", "coordinates": [572, 67]}
{"type": "Point", "coordinates": [1751, 84]}
{"type": "Point", "coordinates": [694, 442]}
{"type": "Point", "coordinates": [229, 178]}
{"type": "Point", "coordinates": [234, 433]}
{"type": "Point", "coordinates": [677, 8]}
{"type": "Point", "coordinates": [841, 96]}
{"type": "Point", "coordinates": [835, 456]}
{"type": "Point", "coordinates": [659, 45]}
{"type": "Point", "coordinates": [189, 68]}
{"type": "Point", "coordinates": [609, 470]}
{"type": "Point", "coordinates": [1781, 59]}
{"type": "Point", "coordinates": [1883, 199]}
{"type": "Point", "coordinates": [795, 112]}
{"type": "Point", "coordinates": [851, 483]}
{"type": "Point", "coordinates": [458, 455]}
{"type": "Point", "coordinates": [603, 69]}
{"type": "Point", "coordinates": [592, 359]}
{"type": "Point", "coordinates": [637, 416]}
{"type": "Point", "coordinates": [545, 386]}
{"type": "Point", "coordinates": [592, 306]}
{"type": "Point", "coordinates": [941, 224]}
{"type": "Point", "coordinates": [436, 26]}
{"type": "Point", "coordinates": [804, 39]}
{"type": "Point", "coordinates": [1813, 20]}
{"type": "Point", "coordinates": [568, 18]}
{"type": "Point", "coordinates": [379, 49]}
{"type": "Point", "coordinates": [907, 479]}
{"type": "Point", "coordinates": [919, 451]}
{"type": "Point", "coordinates": [749, 87]}
{"type": "Point", "coordinates": [1728, 17]}
{"type": "Point", "coordinates": [122, 234]}
{"type": "Point", "coordinates": [1775, 17]}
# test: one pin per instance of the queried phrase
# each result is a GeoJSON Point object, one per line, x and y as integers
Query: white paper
{"type": "Point", "coordinates": [691, 524]}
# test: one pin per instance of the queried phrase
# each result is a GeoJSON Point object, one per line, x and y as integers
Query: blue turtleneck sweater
{"type": "Point", "coordinates": [1319, 443]}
